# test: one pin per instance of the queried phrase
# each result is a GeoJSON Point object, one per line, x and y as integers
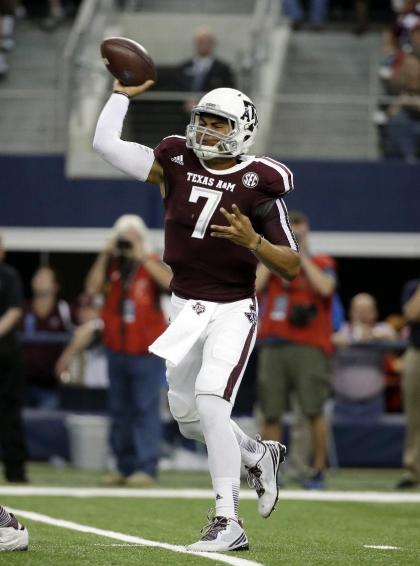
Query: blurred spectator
{"type": "Point", "coordinates": [7, 24]}
{"type": "Point", "coordinates": [397, 37]}
{"type": "Point", "coordinates": [395, 71]}
{"type": "Point", "coordinates": [399, 324]}
{"type": "Point", "coordinates": [359, 370]}
{"type": "Point", "coordinates": [20, 10]}
{"type": "Point", "coordinates": [11, 374]}
{"type": "Point", "coordinates": [361, 8]}
{"type": "Point", "coordinates": [317, 13]}
{"type": "Point", "coordinates": [300, 429]}
{"type": "Point", "coordinates": [46, 321]}
{"type": "Point", "coordinates": [204, 71]}
{"type": "Point", "coordinates": [394, 364]}
{"type": "Point", "coordinates": [83, 360]}
{"type": "Point", "coordinates": [55, 16]}
{"type": "Point", "coordinates": [403, 129]}
{"type": "Point", "coordinates": [295, 333]}
{"type": "Point", "coordinates": [411, 387]}
{"type": "Point", "coordinates": [132, 278]}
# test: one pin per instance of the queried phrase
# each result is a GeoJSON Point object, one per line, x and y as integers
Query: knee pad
{"type": "Point", "coordinates": [214, 411]}
{"type": "Point", "coordinates": [191, 430]}
{"type": "Point", "coordinates": [181, 409]}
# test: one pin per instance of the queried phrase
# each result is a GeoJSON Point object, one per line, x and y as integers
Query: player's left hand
{"type": "Point", "coordinates": [239, 231]}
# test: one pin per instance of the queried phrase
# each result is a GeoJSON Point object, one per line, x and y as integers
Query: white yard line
{"type": "Point", "coordinates": [106, 544]}
{"type": "Point", "coordinates": [381, 547]}
{"type": "Point", "coordinates": [285, 495]}
{"type": "Point", "coordinates": [40, 518]}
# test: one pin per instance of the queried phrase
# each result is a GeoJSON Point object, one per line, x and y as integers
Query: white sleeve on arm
{"type": "Point", "coordinates": [132, 158]}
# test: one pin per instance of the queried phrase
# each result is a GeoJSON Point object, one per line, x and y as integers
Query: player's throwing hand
{"type": "Point", "coordinates": [240, 230]}
{"type": "Point", "coordinates": [132, 91]}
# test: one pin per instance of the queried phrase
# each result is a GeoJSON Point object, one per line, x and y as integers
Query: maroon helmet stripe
{"type": "Point", "coordinates": [237, 370]}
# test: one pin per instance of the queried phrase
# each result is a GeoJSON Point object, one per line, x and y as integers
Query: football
{"type": "Point", "coordinates": [127, 61]}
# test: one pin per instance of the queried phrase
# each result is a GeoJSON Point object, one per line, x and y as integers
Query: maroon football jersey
{"type": "Point", "coordinates": [209, 268]}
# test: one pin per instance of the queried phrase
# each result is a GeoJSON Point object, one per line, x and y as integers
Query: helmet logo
{"type": "Point", "coordinates": [250, 115]}
{"type": "Point", "coordinates": [250, 180]}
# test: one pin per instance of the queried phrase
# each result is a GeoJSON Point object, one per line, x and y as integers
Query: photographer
{"type": "Point", "coordinates": [295, 345]}
{"type": "Point", "coordinates": [131, 280]}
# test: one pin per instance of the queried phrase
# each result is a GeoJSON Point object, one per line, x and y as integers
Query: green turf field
{"type": "Point", "coordinates": [299, 532]}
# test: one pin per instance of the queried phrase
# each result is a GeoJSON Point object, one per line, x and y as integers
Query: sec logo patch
{"type": "Point", "coordinates": [250, 180]}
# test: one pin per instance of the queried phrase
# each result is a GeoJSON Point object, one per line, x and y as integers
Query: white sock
{"type": "Point", "coordinates": [251, 450]}
{"type": "Point", "coordinates": [227, 497]}
{"type": "Point", "coordinates": [223, 452]}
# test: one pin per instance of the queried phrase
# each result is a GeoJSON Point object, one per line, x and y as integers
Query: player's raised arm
{"type": "Point", "coordinates": [134, 159]}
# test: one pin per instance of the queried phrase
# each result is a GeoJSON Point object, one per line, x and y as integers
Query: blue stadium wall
{"type": "Point", "coordinates": [337, 196]}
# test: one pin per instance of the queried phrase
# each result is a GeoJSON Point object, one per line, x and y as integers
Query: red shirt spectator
{"type": "Point", "coordinates": [132, 315]}
{"type": "Point", "coordinates": [131, 279]}
{"type": "Point", "coordinates": [296, 312]}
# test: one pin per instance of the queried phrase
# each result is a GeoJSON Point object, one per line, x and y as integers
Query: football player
{"type": "Point", "coordinates": [13, 535]}
{"type": "Point", "coordinates": [224, 212]}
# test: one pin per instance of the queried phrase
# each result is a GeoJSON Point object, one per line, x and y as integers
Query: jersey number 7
{"type": "Point", "coordinates": [213, 199]}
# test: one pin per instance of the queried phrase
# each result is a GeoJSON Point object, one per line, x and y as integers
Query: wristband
{"type": "Point", "coordinates": [258, 244]}
{"type": "Point", "coordinates": [120, 92]}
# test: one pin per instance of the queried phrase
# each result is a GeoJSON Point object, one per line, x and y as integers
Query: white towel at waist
{"type": "Point", "coordinates": [181, 335]}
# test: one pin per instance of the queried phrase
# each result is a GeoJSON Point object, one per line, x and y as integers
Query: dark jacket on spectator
{"type": "Point", "coordinates": [218, 75]}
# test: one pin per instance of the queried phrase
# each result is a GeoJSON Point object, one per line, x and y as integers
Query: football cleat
{"type": "Point", "coordinates": [14, 537]}
{"type": "Point", "coordinates": [263, 476]}
{"type": "Point", "coordinates": [221, 534]}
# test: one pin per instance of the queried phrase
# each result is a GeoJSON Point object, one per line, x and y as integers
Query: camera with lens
{"type": "Point", "coordinates": [301, 315]}
{"type": "Point", "coordinates": [125, 261]}
{"type": "Point", "coordinates": [123, 246]}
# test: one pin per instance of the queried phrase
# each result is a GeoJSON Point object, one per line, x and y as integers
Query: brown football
{"type": "Point", "coordinates": [127, 61]}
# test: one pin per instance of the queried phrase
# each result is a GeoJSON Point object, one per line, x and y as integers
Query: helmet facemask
{"type": "Point", "coordinates": [226, 145]}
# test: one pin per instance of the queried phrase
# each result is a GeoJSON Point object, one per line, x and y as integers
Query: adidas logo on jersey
{"type": "Point", "coordinates": [178, 159]}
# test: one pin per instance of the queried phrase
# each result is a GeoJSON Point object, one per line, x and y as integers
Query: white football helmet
{"type": "Point", "coordinates": [242, 115]}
